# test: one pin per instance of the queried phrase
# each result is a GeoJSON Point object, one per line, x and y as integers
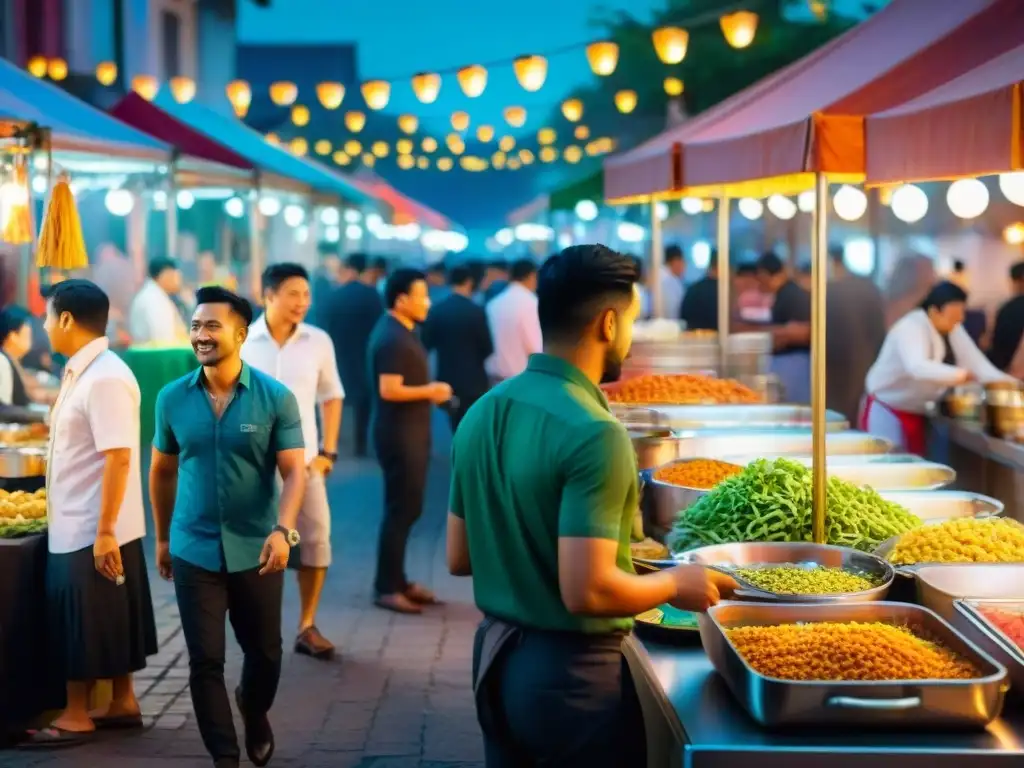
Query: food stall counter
{"type": "Point", "coordinates": [155, 366]}
{"type": "Point", "coordinates": [693, 721]}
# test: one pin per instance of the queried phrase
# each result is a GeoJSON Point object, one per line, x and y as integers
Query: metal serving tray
{"type": "Point", "coordinates": [986, 636]}
{"type": "Point", "coordinates": [833, 460]}
{"type": "Point", "coordinates": [745, 417]}
{"type": "Point", "coordinates": [940, 586]}
{"type": "Point", "coordinates": [906, 475]}
{"type": "Point", "coordinates": [899, 703]}
{"type": "Point", "coordinates": [22, 462]}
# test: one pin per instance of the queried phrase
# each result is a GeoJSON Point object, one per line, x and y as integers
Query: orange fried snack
{"type": "Point", "coordinates": [681, 389]}
{"type": "Point", "coordinates": [699, 473]}
{"type": "Point", "coordinates": [846, 651]}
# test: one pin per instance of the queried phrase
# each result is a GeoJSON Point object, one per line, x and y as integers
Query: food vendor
{"type": "Point", "coordinates": [700, 302]}
{"type": "Point", "coordinates": [17, 387]}
{"type": "Point", "coordinates": [925, 352]}
{"type": "Point", "coordinates": [791, 328]}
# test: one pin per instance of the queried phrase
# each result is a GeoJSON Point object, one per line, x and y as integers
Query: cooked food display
{"type": "Point", "coordinates": [682, 389]}
{"type": "Point", "coordinates": [964, 540]}
{"type": "Point", "coordinates": [771, 500]}
{"type": "Point", "coordinates": [801, 580]}
{"type": "Point", "coordinates": [846, 651]}
{"type": "Point", "coordinates": [22, 513]}
{"type": "Point", "coordinates": [1009, 622]}
{"type": "Point", "coordinates": [24, 434]}
{"type": "Point", "coordinates": [699, 473]}
{"type": "Point", "coordinates": [649, 549]}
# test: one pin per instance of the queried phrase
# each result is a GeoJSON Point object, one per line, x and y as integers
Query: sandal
{"type": "Point", "coordinates": [54, 737]}
{"type": "Point", "coordinates": [118, 722]}
{"type": "Point", "coordinates": [421, 595]}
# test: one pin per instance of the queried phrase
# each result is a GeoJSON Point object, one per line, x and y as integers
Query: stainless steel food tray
{"type": "Point", "coordinates": [912, 474]}
{"type": "Point", "coordinates": [990, 639]}
{"type": "Point", "coordinates": [884, 550]}
{"type": "Point", "coordinates": [899, 703]}
{"type": "Point", "coordinates": [22, 462]}
{"type": "Point", "coordinates": [833, 460]}
{"type": "Point", "coordinates": [940, 586]}
{"type": "Point", "coordinates": [745, 417]}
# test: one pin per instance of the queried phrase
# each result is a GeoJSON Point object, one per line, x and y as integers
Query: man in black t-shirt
{"type": "Point", "coordinates": [791, 328]}
{"type": "Point", "coordinates": [399, 380]}
{"type": "Point", "coordinates": [700, 302]}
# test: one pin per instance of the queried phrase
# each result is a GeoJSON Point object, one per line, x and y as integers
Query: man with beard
{"type": "Point", "coordinates": [221, 432]}
{"type": "Point", "coordinates": [403, 394]}
{"type": "Point", "coordinates": [543, 496]}
{"type": "Point", "coordinates": [301, 357]}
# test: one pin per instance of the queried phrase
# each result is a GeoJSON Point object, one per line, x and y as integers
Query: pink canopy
{"type": "Point", "coordinates": [970, 126]}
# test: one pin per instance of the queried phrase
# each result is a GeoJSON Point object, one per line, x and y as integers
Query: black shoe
{"type": "Point", "coordinates": [259, 737]}
{"type": "Point", "coordinates": [226, 762]}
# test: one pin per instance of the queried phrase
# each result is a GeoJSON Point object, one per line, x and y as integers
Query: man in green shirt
{"type": "Point", "coordinates": [543, 496]}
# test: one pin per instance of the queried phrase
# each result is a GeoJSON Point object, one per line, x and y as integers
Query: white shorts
{"type": "Point", "coordinates": [314, 524]}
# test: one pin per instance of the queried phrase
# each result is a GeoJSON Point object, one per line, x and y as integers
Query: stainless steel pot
{"type": "Point", "coordinates": [22, 462]}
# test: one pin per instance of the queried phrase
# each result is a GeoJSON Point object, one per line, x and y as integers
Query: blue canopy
{"type": "Point", "coordinates": [74, 125]}
{"type": "Point", "coordinates": [251, 145]}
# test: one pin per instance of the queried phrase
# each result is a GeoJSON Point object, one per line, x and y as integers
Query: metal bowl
{"type": "Point", "coordinates": [726, 557]}
{"type": "Point", "coordinates": [939, 586]}
{"type": "Point", "coordinates": [22, 462]}
{"type": "Point", "coordinates": [964, 402]}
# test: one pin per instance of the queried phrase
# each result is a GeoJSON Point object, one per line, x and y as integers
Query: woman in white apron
{"type": "Point", "coordinates": [925, 352]}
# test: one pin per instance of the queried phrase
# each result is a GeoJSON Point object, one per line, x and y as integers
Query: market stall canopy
{"type": "Point", "coordinates": [528, 212]}
{"type": "Point", "coordinates": [405, 209]}
{"type": "Point", "coordinates": [968, 127]}
{"type": "Point", "coordinates": [74, 125]}
{"type": "Point", "coordinates": [588, 188]}
{"type": "Point", "coordinates": [250, 145]}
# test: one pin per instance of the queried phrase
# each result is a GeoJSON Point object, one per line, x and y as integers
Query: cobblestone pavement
{"type": "Point", "coordinates": [398, 696]}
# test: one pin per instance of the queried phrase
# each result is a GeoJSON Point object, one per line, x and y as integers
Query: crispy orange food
{"type": "Point", "coordinates": [699, 473]}
{"type": "Point", "coordinates": [681, 389]}
{"type": "Point", "coordinates": [846, 651]}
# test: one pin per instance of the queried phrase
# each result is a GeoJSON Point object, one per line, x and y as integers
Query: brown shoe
{"type": "Point", "coordinates": [311, 643]}
{"type": "Point", "coordinates": [398, 603]}
{"type": "Point", "coordinates": [420, 595]}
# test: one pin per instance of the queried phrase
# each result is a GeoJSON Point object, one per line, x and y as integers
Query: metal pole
{"type": "Point", "coordinates": [724, 278]}
{"type": "Point", "coordinates": [657, 260]}
{"type": "Point", "coordinates": [819, 287]}
{"type": "Point", "coordinates": [171, 220]}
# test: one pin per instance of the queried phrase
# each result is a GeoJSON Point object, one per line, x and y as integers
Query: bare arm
{"type": "Point", "coordinates": [116, 465]}
{"type": "Point", "coordinates": [292, 466]}
{"type": "Point", "coordinates": [592, 584]}
{"type": "Point", "coordinates": [458, 547]}
{"type": "Point", "coordinates": [330, 424]}
{"type": "Point", "coordinates": [393, 389]}
{"type": "Point", "coordinates": [163, 488]}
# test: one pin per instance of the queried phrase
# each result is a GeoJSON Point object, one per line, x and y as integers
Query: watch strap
{"type": "Point", "coordinates": [290, 535]}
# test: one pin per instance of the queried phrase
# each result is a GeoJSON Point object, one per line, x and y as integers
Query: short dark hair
{"type": "Point", "coordinates": [673, 253]}
{"type": "Point", "coordinates": [942, 294]}
{"type": "Point", "coordinates": [499, 264]}
{"type": "Point", "coordinates": [639, 267]}
{"type": "Point", "coordinates": [804, 268]}
{"type": "Point", "coordinates": [276, 274]}
{"type": "Point", "coordinates": [437, 268]}
{"type": "Point", "coordinates": [381, 263]}
{"type": "Point", "coordinates": [712, 260]}
{"type": "Point", "coordinates": [958, 265]}
{"type": "Point", "coordinates": [769, 262]}
{"type": "Point", "coordinates": [837, 253]}
{"type": "Point", "coordinates": [576, 285]}
{"type": "Point", "coordinates": [399, 283]}
{"type": "Point", "coordinates": [460, 275]}
{"type": "Point", "coordinates": [746, 268]}
{"type": "Point", "coordinates": [12, 320]}
{"type": "Point", "coordinates": [216, 294]}
{"type": "Point", "coordinates": [356, 262]}
{"type": "Point", "coordinates": [521, 270]}
{"type": "Point", "coordinates": [160, 265]}
{"type": "Point", "coordinates": [1017, 271]}
{"type": "Point", "coordinates": [84, 301]}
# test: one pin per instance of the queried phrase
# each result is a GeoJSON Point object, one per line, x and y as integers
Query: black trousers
{"type": "Point", "coordinates": [405, 465]}
{"type": "Point", "coordinates": [559, 699]}
{"type": "Point", "coordinates": [253, 605]}
{"type": "Point", "coordinates": [361, 405]}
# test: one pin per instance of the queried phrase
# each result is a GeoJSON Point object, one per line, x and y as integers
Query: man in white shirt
{"type": "Point", "coordinates": [97, 586]}
{"type": "Point", "coordinates": [154, 317]}
{"type": "Point", "coordinates": [301, 357]}
{"type": "Point", "coordinates": [672, 283]}
{"type": "Point", "coordinates": [515, 325]}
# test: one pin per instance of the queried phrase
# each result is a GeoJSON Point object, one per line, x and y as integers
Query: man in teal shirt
{"type": "Point", "coordinates": [543, 497]}
{"type": "Point", "coordinates": [222, 433]}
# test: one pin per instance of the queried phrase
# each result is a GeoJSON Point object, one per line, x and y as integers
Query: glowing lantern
{"type": "Point", "coordinates": [369, 160]}
{"type": "Point", "coordinates": [405, 162]}
{"type": "Point", "coordinates": [515, 116]}
{"type": "Point", "coordinates": [403, 146]}
{"type": "Point", "coordinates": [967, 198]}
{"type": "Point", "coordinates": [548, 154]}
{"type": "Point", "coordinates": [673, 86]}
{"type": "Point", "coordinates": [531, 72]}
{"type": "Point", "coordinates": [146, 86]}
{"type": "Point", "coordinates": [341, 158]}
{"type": "Point", "coordinates": [472, 80]}
{"type": "Point", "coordinates": [322, 147]}
{"type": "Point", "coordinates": [513, 164]}
{"type": "Point", "coordinates": [299, 146]}
{"type": "Point", "coordinates": [739, 28]}
{"type": "Point", "coordinates": [183, 89]}
{"type": "Point", "coordinates": [473, 163]}
{"type": "Point", "coordinates": [240, 95]}
{"type": "Point", "coordinates": [429, 144]}
{"type": "Point", "coordinates": [376, 93]}
{"type": "Point", "coordinates": [572, 154]}
{"type": "Point", "coordinates": [37, 66]}
{"type": "Point", "coordinates": [582, 133]}
{"type": "Point", "coordinates": [455, 143]}
{"type": "Point", "coordinates": [572, 109]}
{"type": "Point", "coordinates": [507, 144]}
{"type": "Point", "coordinates": [546, 136]}
{"type": "Point", "coordinates": [426, 86]}
{"type": "Point", "coordinates": [300, 115]}
{"type": "Point", "coordinates": [603, 57]}
{"type": "Point", "coordinates": [408, 123]}
{"type": "Point", "coordinates": [445, 163]}
{"type": "Point", "coordinates": [106, 73]}
{"type": "Point", "coordinates": [625, 101]}
{"type": "Point", "coordinates": [670, 44]}
{"type": "Point", "coordinates": [353, 147]}
{"type": "Point", "coordinates": [498, 160]}
{"type": "Point", "coordinates": [57, 69]}
{"type": "Point", "coordinates": [355, 121]}
{"type": "Point", "coordinates": [330, 94]}
{"type": "Point", "coordinates": [485, 133]}
{"type": "Point", "coordinates": [460, 121]}
{"type": "Point", "coordinates": [283, 93]}
{"type": "Point", "coordinates": [1014, 234]}
{"type": "Point", "coordinates": [525, 156]}
{"type": "Point", "coordinates": [380, 148]}
{"type": "Point", "coordinates": [422, 162]}
{"type": "Point", "coordinates": [272, 138]}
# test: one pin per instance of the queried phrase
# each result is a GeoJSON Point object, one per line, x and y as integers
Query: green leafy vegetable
{"type": "Point", "coordinates": [15, 529]}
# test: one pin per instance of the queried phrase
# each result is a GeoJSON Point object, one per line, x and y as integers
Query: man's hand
{"type": "Point", "coordinates": [320, 465]}
{"type": "Point", "coordinates": [440, 393]}
{"type": "Point", "coordinates": [106, 555]}
{"type": "Point", "coordinates": [163, 560]}
{"type": "Point", "coordinates": [699, 588]}
{"type": "Point", "coordinates": [274, 556]}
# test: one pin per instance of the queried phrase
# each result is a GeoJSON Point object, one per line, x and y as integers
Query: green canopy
{"type": "Point", "coordinates": [588, 188]}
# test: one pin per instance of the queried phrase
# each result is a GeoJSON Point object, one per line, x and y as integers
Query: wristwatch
{"type": "Point", "coordinates": [331, 457]}
{"type": "Point", "coordinates": [290, 535]}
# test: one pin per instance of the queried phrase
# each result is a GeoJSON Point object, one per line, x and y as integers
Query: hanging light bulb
{"type": "Point", "coordinates": [515, 116]}
{"type": "Point", "coordinates": [183, 89]}
{"type": "Point", "coordinates": [57, 69]}
{"type": "Point", "coordinates": [472, 80]}
{"type": "Point", "coordinates": [691, 205]}
{"type": "Point", "coordinates": [272, 138]}
{"type": "Point", "coordinates": [376, 93]}
{"type": "Point", "coordinates": [403, 146]}
{"type": "Point", "coordinates": [782, 207]}
{"type": "Point", "coordinates": [283, 93]}
{"type": "Point", "coordinates": [299, 146]}
{"type": "Point", "coordinates": [513, 164]}
{"type": "Point", "coordinates": [426, 86]}
{"type": "Point", "coordinates": [750, 208]}
{"type": "Point", "coordinates": [445, 163]}
{"type": "Point", "coordinates": [531, 72]}
{"type": "Point", "coordinates": [429, 144]}
{"type": "Point", "coordinates": [670, 44]}
{"type": "Point", "coordinates": [572, 154]}
{"type": "Point", "coordinates": [849, 203]}
{"type": "Point", "coordinates": [322, 147]}
{"type": "Point", "coordinates": [805, 201]}
{"type": "Point", "coordinates": [354, 121]}
{"type": "Point", "coordinates": [460, 121]}
{"type": "Point", "coordinates": [673, 86]}
{"type": "Point", "coordinates": [455, 144]}
{"type": "Point", "coordinates": [548, 154]}
{"type": "Point", "coordinates": [330, 94]}
{"type": "Point", "coordinates": [369, 160]}
{"type": "Point", "coordinates": [1014, 234]}
{"type": "Point", "coordinates": [408, 123]}
{"type": "Point", "coordinates": [909, 203]}
{"type": "Point", "coordinates": [106, 73]}
{"type": "Point", "coordinates": [967, 198]}
{"type": "Point", "coordinates": [498, 160]}
{"type": "Point", "coordinates": [625, 101]}
{"type": "Point", "coordinates": [146, 86]}
{"type": "Point", "coordinates": [37, 66]}
{"type": "Point", "coordinates": [340, 157]}
{"type": "Point", "coordinates": [525, 156]}
{"type": "Point", "coordinates": [603, 57]}
{"type": "Point", "coordinates": [423, 162]}
{"type": "Point", "coordinates": [581, 133]}
{"type": "Point", "coordinates": [506, 144]}
{"type": "Point", "coordinates": [300, 115]}
{"type": "Point", "coordinates": [380, 149]}
{"type": "Point", "coordinates": [239, 94]}
{"type": "Point", "coordinates": [572, 109]}
{"type": "Point", "coordinates": [1012, 186]}
{"type": "Point", "coordinates": [405, 162]}
{"type": "Point", "coordinates": [485, 133]}
{"type": "Point", "coordinates": [353, 147]}
{"type": "Point", "coordinates": [739, 28]}
{"type": "Point", "coordinates": [546, 136]}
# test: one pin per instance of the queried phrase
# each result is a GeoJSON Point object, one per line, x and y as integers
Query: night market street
{"type": "Point", "coordinates": [398, 694]}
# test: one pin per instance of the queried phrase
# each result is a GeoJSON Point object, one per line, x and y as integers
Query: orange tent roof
{"type": "Point", "coordinates": [970, 126]}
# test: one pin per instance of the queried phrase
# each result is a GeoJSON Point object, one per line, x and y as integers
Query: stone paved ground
{"type": "Point", "coordinates": [398, 696]}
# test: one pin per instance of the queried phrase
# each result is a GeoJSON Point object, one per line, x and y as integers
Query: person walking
{"type": "Point", "coordinates": [543, 497]}
{"type": "Point", "coordinates": [512, 317]}
{"type": "Point", "coordinates": [456, 330]}
{"type": "Point", "coordinates": [282, 345]}
{"type": "Point", "coordinates": [99, 611]}
{"type": "Point", "coordinates": [349, 317]}
{"type": "Point", "coordinates": [403, 394]}
{"type": "Point", "coordinates": [221, 431]}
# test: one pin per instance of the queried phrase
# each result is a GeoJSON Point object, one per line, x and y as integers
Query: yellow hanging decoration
{"type": "Point", "coordinates": [61, 245]}
{"type": "Point", "coordinates": [14, 199]}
